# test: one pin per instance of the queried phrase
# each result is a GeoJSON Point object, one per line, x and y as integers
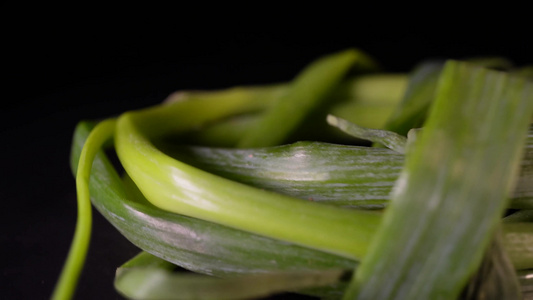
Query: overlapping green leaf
{"type": "Point", "coordinates": [215, 249]}
{"type": "Point", "coordinates": [452, 190]}
{"type": "Point", "coordinates": [149, 277]}
{"type": "Point", "coordinates": [302, 97]}
{"type": "Point", "coordinates": [194, 244]}
{"type": "Point", "coordinates": [350, 176]}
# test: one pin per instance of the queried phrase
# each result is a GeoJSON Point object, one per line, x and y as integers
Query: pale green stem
{"type": "Point", "coordinates": [66, 284]}
{"type": "Point", "coordinates": [180, 188]}
{"type": "Point", "coordinates": [390, 139]}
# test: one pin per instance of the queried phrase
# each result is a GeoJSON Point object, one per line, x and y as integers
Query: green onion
{"type": "Point", "coordinates": [389, 139]}
{"type": "Point", "coordinates": [411, 112]}
{"type": "Point", "coordinates": [293, 217]}
{"type": "Point", "coordinates": [452, 190]}
{"type": "Point", "coordinates": [149, 277]}
{"type": "Point", "coordinates": [311, 86]}
{"type": "Point", "coordinates": [495, 278]}
{"type": "Point", "coordinates": [360, 99]}
{"type": "Point", "coordinates": [342, 175]}
{"type": "Point", "coordinates": [192, 243]}
{"type": "Point", "coordinates": [177, 187]}
{"type": "Point", "coordinates": [71, 271]}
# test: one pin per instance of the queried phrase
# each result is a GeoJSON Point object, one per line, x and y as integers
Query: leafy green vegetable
{"type": "Point", "coordinates": [460, 172]}
{"type": "Point", "coordinates": [412, 110]}
{"type": "Point", "coordinates": [288, 217]}
{"type": "Point", "coordinates": [361, 177]}
{"type": "Point", "coordinates": [360, 99]}
{"type": "Point", "coordinates": [340, 175]}
{"type": "Point", "coordinates": [179, 188]}
{"type": "Point", "coordinates": [197, 245]}
{"type": "Point", "coordinates": [304, 94]}
{"type": "Point", "coordinates": [149, 277]}
{"type": "Point", "coordinates": [71, 271]}
{"type": "Point", "coordinates": [389, 139]}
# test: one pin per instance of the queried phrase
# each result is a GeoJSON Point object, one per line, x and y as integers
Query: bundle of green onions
{"type": "Point", "coordinates": [269, 189]}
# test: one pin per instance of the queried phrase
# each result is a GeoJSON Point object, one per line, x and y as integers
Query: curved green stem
{"type": "Point", "coordinates": [304, 95]}
{"type": "Point", "coordinates": [180, 188]}
{"type": "Point", "coordinates": [78, 251]}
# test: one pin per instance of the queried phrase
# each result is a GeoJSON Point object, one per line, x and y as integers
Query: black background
{"type": "Point", "coordinates": [64, 64]}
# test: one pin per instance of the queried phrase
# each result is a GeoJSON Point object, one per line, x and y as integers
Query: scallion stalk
{"type": "Point", "coordinates": [277, 218]}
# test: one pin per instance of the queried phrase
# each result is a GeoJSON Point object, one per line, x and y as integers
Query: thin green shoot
{"type": "Point", "coordinates": [68, 279]}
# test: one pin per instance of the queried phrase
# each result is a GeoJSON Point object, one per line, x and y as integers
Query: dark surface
{"type": "Point", "coordinates": [63, 69]}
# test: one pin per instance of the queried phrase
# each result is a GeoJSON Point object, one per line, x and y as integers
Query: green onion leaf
{"type": "Point", "coordinates": [496, 278]}
{"type": "Point", "coordinates": [452, 192]}
{"type": "Point", "coordinates": [180, 188]}
{"type": "Point", "coordinates": [349, 176]}
{"type": "Point", "coordinates": [412, 110]}
{"type": "Point", "coordinates": [191, 243]}
{"type": "Point", "coordinates": [361, 177]}
{"type": "Point", "coordinates": [148, 277]}
{"type": "Point", "coordinates": [518, 243]}
{"type": "Point", "coordinates": [78, 251]}
{"type": "Point", "coordinates": [304, 94]}
{"type": "Point", "coordinates": [389, 139]}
